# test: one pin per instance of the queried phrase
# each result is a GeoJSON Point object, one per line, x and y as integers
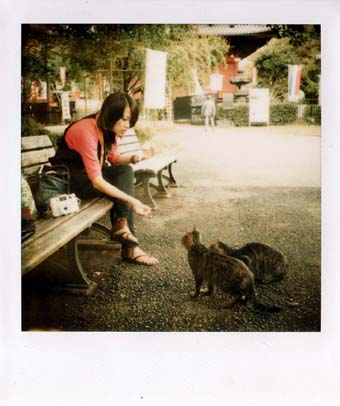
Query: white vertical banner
{"type": "Point", "coordinates": [43, 91]}
{"type": "Point", "coordinates": [294, 81]}
{"type": "Point", "coordinates": [198, 87]}
{"type": "Point", "coordinates": [155, 79]}
{"type": "Point", "coordinates": [65, 106]}
{"type": "Point", "coordinates": [62, 71]}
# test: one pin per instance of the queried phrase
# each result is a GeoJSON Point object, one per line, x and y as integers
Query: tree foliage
{"type": "Point", "coordinates": [296, 44]}
{"type": "Point", "coordinates": [297, 34]}
{"type": "Point", "coordinates": [272, 66]}
{"type": "Point", "coordinates": [88, 48]}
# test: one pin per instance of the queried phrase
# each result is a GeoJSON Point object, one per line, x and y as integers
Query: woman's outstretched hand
{"type": "Point", "coordinates": [148, 150]}
{"type": "Point", "coordinates": [139, 208]}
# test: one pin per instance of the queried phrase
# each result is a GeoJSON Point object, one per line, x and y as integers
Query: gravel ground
{"type": "Point", "coordinates": [282, 211]}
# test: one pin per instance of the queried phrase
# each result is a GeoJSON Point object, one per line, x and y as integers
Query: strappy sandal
{"type": "Point", "coordinates": [136, 259]}
{"type": "Point", "coordinates": [125, 237]}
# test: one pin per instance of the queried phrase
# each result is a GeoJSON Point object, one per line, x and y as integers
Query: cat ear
{"type": "Point", "coordinates": [195, 229]}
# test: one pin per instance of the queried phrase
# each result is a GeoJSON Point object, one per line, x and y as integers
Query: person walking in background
{"type": "Point", "coordinates": [209, 112]}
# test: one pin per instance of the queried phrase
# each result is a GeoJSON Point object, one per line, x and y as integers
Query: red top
{"type": "Point", "coordinates": [83, 138]}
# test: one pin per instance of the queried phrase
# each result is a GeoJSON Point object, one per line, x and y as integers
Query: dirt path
{"type": "Point", "coordinates": [259, 156]}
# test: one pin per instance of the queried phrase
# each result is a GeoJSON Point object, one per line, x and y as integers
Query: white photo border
{"type": "Point", "coordinates": [168, 368]}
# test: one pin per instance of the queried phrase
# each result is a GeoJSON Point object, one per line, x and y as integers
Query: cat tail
{"type": "Point", "coordinates": [260, 306]}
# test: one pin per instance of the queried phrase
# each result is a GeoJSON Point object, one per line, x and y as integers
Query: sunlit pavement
{"type": "Point", "coordinates": [257, 156]}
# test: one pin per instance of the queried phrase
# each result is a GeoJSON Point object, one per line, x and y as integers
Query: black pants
{"type": "Point", "coordinates": [119, 175]}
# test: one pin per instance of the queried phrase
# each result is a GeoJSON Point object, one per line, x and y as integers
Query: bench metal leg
{"type": "Point", "coordinates": [79, 280]}
{"type": "Point", "coordinates": [149, 200]}
{"type": "Point", "coordinates": [165, 181]}
{"type": "Point", "coordinates": [143, 180]}
{"type": "Point", "coordinates": [63, 271]}
{"type": "Point", "coordinates": [172, 181]}
{"type": "Point", "coordinates": [161, 190]}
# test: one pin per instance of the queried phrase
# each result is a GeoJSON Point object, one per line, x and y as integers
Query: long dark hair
{"type": "Point", "coordinates": [112, 110]}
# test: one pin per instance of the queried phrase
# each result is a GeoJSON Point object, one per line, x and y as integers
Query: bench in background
{"type": "Point", "coordinates": [158, 167]}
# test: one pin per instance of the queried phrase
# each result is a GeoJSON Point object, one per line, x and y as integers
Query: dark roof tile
{"type": "Point", "coordinates": [231, 29]}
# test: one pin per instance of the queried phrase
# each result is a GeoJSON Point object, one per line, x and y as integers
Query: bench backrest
{"type": "Point", "coordinates": [129, 144]}
{"type": "Point", "coordinates": [35, 151]}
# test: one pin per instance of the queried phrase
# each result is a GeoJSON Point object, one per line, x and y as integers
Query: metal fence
{"type": "Point", "coordinates": [308, 111]}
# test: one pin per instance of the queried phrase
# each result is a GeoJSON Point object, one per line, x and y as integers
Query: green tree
{"type": "Point", "coordinates": [125, 45]}
{"type": "Point", "coordinates": [85, 47]}
{"type": "Point", "coordinates": [297, 34]}
{"type": "Point", "coordinates": [42, 46]}
{"type": "Point", "coordinates": [272, 66]}
{"type": "Point", "coordinates": [296, 44]}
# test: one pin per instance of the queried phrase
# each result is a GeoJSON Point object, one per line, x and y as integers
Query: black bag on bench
{"type": "Point", "coordinates": [52, 181]}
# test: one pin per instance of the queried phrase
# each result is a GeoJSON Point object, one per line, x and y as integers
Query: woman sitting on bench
{"type": "Point", "coordinates": [85, 147]}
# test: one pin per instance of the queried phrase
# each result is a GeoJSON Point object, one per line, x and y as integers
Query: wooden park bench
{"type": "Point", "coordinates": [57, 242]}
{"type": "Point", "coordinates": [42, 251]}
{"type": "Point", "coordinates": [158, 168]}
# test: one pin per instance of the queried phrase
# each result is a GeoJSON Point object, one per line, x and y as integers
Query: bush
{"type": "Point", "coordinates": [144, 133]}
{"type": "Point", "coordinates": [239, 114]}
{"type": "Point", "coordinates": [280, 114]}
{"type": "Point", "coordinates": [56, 139]}
{"type": "Point", "coordinates": [283, 113]}
{"type": "Point", "coordinates": [31, 127]}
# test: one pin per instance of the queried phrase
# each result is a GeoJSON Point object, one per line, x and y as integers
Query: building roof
{"type": "Point", "coordinates": [232, 29]}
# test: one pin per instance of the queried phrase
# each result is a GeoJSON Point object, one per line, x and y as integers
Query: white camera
{"type": "Point", "coordinates": [64, 204]}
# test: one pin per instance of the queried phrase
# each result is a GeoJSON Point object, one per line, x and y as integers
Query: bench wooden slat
{"type": "Point", "coordinates": [155, 164]}
{"type": "Point", "coordinates": [127, 139]}
{"type": "Point", "coordinates": [35, 142]}
{"type": "Point", "coordinates": [129, 144]}
{"type": "Point", "coordinates": [36, 157]}
{"type": "Point", "coordinates": [49, 224]}
{"type": "Point", "coordinates": [31, 170]}
{"type": "Point", "coordinates": [129, 148]}
{"type": "Point", "coordinates": [53, 233]}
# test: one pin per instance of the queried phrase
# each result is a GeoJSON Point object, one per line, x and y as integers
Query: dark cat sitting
{"type": "Point", "coordinates": [267, 264]}
{"type": "Point", "coordinates": [227, 273]}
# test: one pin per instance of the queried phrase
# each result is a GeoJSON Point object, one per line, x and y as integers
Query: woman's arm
{"type": "Point", "coordinates": [105, 187]}
{"type": "Point", "coordinates": [125, 159]}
